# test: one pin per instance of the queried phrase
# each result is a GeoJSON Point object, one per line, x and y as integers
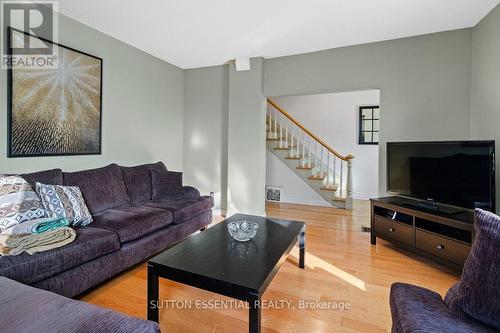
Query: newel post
{"type": "Point", "coordinates": [349, 200]}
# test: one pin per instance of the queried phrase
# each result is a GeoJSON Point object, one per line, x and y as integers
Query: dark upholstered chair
{"type": "Point", "coordinates": [471, 305]}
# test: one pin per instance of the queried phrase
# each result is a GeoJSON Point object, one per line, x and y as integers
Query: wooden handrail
{"type": "Point", "coordinates": [321, 142]}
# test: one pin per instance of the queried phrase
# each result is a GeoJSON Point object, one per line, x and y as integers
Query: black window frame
{"type": "Point", "coordinates": [372, 119]}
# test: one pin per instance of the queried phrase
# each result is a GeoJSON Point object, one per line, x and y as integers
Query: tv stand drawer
{"type": "Point", "coordinates": [445, 248]}
{"type": "Point", "coordinates": [393, 230]}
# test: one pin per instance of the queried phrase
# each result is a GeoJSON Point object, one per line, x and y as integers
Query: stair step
{"type": "Point", "coordinates": [316, 178]}
{"type": "Point", "coordinates": [341, 199]}
{"type": "Point", "coordinates": [329, 188]}
{"type": "Point", "coordinates": [305, 167]}
{"type": "Point", "coordinates": [281, 148]}
{"type": "Point", "coordinates": [293, 157]}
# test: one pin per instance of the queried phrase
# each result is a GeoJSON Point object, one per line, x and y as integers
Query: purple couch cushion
{"type": "Point", "coordinates": [138, 181]}
{"type": "Point", "coordinates": [50, 177]}
{"type": "Point", "coordinates": [76, 280]}
{"type": "Point", "coordinates": [102, 188]}
{"type": "Point", "coordinates": [28, 309]}
{"type": "Point", "coordinates": [132, 222]}
{"type": "Point", "coordinates": [190, 192]}
{"type": "Point", "coordinates": [478, 294]}
{"type": "Point", "coordinates": [166, 185]}
{"type": "Point", "coordinates": [184, 209]}
{"type": "Point", "coordinates": [417, 310]}
{"type": "Point", "coordinates": [90, 243]}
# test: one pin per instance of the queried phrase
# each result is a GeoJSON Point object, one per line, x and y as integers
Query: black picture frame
{"type": "Point", "coordinates": [10, 110]}
{"type": "Point", "coordinates": [361, 140]}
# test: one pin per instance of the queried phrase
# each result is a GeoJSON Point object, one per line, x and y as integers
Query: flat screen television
{"type": "Point", "coordinates": [458, 173]}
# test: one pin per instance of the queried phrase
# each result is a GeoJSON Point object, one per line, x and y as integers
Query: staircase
{"type": "Point", "coordinates": [326, 171]}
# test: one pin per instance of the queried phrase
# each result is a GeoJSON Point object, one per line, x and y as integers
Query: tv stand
{"type": "Point", "coordinates": [436, 234]}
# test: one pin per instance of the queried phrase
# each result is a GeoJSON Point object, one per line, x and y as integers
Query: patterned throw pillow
{"type": "Point", "coordinates": [18, 202]}
{"type": "Point", "coordinates": [64, 201]}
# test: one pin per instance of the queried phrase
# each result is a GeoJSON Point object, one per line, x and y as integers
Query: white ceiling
{"type": "Point", "coordinates": [190, 33]}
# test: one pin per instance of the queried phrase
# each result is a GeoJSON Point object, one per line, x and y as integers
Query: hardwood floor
{"type": "Point", "coordinates": [341, 266]}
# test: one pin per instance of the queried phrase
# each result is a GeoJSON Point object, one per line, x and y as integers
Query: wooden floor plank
{"type": "Point", "coordinates": [341, 265]}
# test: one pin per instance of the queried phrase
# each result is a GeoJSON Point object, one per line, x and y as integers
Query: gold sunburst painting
{"type": "Point", "coordinates": [55, 111]}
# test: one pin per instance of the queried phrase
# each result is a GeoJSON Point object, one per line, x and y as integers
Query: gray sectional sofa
{"type": "Point", "coordinates": [128, 227]}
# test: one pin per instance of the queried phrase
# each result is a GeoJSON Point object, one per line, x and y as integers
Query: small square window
{"type": "Point", "coordinates": [369, 125]}
{"type": "Point", "coordinates": [367, 114]}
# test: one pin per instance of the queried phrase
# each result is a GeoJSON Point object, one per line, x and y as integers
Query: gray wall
{"type": "Point", "coordinates": [485, 109]}
{"type": "Point", "coordinates": [246, 168]}
{"type": "Point", "coordinates": [205, 130]}
{"type": "Point", "coordinates": [425, 86]}
{"type": "Point", "coordinates": [142, 106]}
{"type": "Point", "coordinates": [424, 83]}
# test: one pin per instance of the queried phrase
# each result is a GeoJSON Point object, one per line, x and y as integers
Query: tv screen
{"type": "Point", "coordinates": [455, 173]}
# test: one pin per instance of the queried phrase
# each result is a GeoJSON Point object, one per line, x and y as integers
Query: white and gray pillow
{"type": "Point", "coordinates": [18, 202]}
{"type": "Point", "coordinates": [64, 201]}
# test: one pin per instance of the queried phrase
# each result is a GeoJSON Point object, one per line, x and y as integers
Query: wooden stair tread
{"type": "Point", "coordinates": [305, 167]}
{"type": "Point", "coordinates": [342, 199]}
{"type": "Point", "coordinates": [281, 148]}
{"type": "Point", "coordinates": [316, 178]}
{"type": "Point", "coordinates": [293, 157]}
{"type": "Point", "coordinates": [329, 188]}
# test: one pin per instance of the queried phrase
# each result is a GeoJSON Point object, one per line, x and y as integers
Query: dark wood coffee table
{"type": "Point", "coordinates": [213, 261]}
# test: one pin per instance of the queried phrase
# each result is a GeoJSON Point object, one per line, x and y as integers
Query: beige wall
{"type": "Point", "coordinates": [205, 130]}
{"type": "Point", "coordinates": [485, 107]}
{"type": "Point", "coordinates": [246, 145]}
{"type": "Point", "coordinates": [424, 83]}
{"type": "Point", "coordinates": [142, 107]}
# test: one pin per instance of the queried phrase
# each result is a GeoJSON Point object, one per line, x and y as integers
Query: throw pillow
{"type": "Point", "coordinates": [478, 294]}
{"type": "Point", "coordinates": [166, 184]}
{"type": "Point", "coordinates": [137, 180]}
{"type": "Point", "coordinates": [64, 201]}
{"type": "Point", "coordinates": [18, 202]}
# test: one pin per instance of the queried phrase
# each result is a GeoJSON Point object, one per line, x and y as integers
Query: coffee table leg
{"type": "Point", "coordinates": [153, 285]}
{"type": "Point", "coordinates": [302, 247]}
{"type": "Point", "coordinates": [254, 318]}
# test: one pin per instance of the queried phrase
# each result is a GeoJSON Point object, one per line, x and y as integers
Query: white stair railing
{"type": "Point", "coordinates": [311, 152]}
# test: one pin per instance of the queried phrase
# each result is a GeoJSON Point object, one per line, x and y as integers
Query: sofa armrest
{"type": "Point", "coordinates": [415, 309]}
{"type": "Point", "coordinates": [190, 192]}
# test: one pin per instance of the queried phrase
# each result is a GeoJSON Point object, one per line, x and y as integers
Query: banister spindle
{"type": "Point", "coordinates": [275, 122]}
{"type": "Point", "coordinates": [341, 177]}
{"type": "Point", "coordinates": [297, 151]}
{"type": "Point", "coordinates": [315, 158]}
{"type": "Point", "coordinates": [327, 168]}
{"type": "Point", "coordinates": [281, 131]}
{"type": "Point", "coordinates": [303, 157]}
{"type": "Point", "coordinates": [270, 123]}
{"type": "Point", "coordinates": [310, 150]}
{"type": "Point", "coordinates": [334, 171]}
{"type": "Point", "coordinates": [286, 135]}
{"type": "Point", "coordinates": [321, 166]}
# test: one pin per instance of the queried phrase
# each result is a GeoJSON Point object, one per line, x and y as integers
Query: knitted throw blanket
{"type": "Point", "coordinates": [15, 244]}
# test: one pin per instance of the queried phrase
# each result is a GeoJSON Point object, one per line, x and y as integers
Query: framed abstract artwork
{"type": "Point", "coordinates": [54, 111]}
